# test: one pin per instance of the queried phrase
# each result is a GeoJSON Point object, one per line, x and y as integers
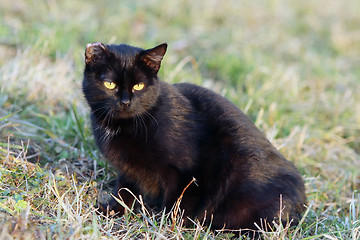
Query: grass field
{"type": "Point", "coordinates": [292, 66]}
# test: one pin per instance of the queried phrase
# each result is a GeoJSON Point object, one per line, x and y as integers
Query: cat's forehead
{"type": "Point", "coordinates": [124, 51]}
{"type": "Point", "coordinates": [124, 55]}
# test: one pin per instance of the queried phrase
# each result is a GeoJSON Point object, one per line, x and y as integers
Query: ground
{"type": "Point", "coordinates": [291, 66]}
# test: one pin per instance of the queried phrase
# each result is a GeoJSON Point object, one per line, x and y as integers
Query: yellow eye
{"type": "Point", "coordinates": [110, 85]}
{"type": "Point", "coordinates": [138, 87]}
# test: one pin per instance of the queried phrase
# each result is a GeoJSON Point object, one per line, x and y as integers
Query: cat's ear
{"type": "Point", "coordinates": [95, 53]}
{"type": "Point", "coordinates": [152, 57]}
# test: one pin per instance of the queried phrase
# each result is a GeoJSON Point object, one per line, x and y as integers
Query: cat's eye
{"type": "Point", "coordinates": [109, 85]}
{"type": "Point", "coordinates": [138, 87]}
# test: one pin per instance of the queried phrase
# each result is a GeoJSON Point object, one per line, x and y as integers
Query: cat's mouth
{"type": "Point", "coordinates": [124, 113]}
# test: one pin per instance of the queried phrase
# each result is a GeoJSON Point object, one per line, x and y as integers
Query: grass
{"type": "Point", "coordinates": [292, 66]}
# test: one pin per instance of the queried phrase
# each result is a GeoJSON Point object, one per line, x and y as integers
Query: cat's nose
{"type": "Point", "coordinates": [125, 102]}
{"type": "Point", "coordinates": [125, 99]}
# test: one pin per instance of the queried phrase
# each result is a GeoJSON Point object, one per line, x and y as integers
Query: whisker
{"type": "Point", "coordinates": [98, 109]}
{"type": "Point", "coordinates": [118, 130]}
{"type": "Point", "coordinates": [111, 117]}
{"type": "Point", "coordinates": [153, 118]}
{"type": "Point", "coordinates": [108, 118]}
{"type": "Point", "coordinates": [146, 131]}
{"type": "Point", "coordinates": [102, 113]}
{"type": "Point", "coordinates": [105, 118]}
{"type": "Point", "coordinates": [136, 124]}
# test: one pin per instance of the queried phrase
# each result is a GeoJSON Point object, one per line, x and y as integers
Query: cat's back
{"type": "Point", "coordinates": [218, 110]}
{"type": "Point", "coordinates": [235, 131]}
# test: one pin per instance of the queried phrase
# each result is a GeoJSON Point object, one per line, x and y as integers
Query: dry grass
{"type": "Point", "coordinates": [292, 66]}
{"type": "Point", "coordinates": [40, 81]}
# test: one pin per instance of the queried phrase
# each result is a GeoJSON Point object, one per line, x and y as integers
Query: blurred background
{"type": "Point", "coordinates": [295, 62]}
{"type": "Point", "coordinates": [292, 66]}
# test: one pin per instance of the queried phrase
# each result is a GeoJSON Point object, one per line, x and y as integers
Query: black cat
{"type": "Point", "coordinates": [161, 136]}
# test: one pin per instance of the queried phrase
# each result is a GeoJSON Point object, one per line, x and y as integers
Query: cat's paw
{"type": "Point", "coordinates": [110, 209]}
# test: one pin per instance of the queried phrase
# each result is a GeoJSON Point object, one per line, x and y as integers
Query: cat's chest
{"type": "Point", "coordinates": [140, 163]}
{"type": "Point", "coordinates": [124, 151]}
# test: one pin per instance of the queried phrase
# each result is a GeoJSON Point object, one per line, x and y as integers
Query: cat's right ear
{"type": "Point", "coordinates": [95, 53]}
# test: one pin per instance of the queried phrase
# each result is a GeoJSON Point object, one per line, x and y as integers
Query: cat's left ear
{"type": "Point", "coordinates": [152, 57]}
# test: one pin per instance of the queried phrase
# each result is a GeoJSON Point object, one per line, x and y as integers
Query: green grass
{"type": "Point", "coordinates": [292, 66]}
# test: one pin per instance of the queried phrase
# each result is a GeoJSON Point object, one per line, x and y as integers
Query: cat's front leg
{"type": "Point", "coordinates": [123, 191]}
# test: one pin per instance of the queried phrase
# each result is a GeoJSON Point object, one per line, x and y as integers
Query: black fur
{"type": "Point", "coordinates": [172, 133]}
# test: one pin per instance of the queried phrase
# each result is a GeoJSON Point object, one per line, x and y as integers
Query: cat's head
{"type": "Point", "coordinates": [120, 81]}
